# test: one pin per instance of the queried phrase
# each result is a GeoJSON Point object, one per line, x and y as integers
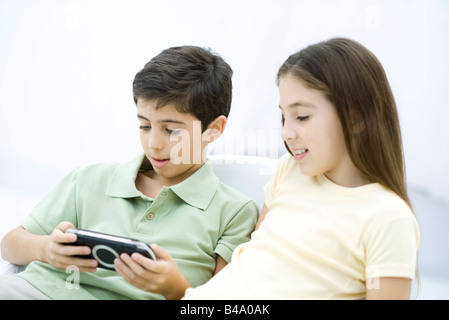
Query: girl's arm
{"type": "Point", "coordinates": [390, 289]}
{"type": "Point", "coordinates": [262, 215]}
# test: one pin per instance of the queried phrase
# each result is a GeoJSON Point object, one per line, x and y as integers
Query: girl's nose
{"type": "Point", "coordinates": [287, 131]}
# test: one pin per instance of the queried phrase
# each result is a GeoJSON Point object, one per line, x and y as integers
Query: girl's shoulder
{"type": "Point", "coordinates": [386, 211]}
{"type": "Point", "coordinates": [392, 203]}
{"type": "Point", "coordinates": [287, 163]}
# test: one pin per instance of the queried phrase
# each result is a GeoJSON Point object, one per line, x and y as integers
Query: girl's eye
{"type": "Point", "coordinates": [300, 118]}
{"type": "Point", "coordinates": [144, 127]}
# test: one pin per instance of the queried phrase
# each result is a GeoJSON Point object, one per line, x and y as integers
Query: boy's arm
{"type": "Point", "coordinates": [162, 276]}
{"type": "Point", "coordinates": [220, 263]}
{"type": "Point", "coordinates": [22, 247]}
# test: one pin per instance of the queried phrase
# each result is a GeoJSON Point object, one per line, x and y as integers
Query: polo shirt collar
{"type": "Point", "coordinates": [123, 180]}
{"type": "Point", "coordinates": [197, 190]}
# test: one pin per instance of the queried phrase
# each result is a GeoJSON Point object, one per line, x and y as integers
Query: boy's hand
{"type": "Point", "coordinates": [60, 255]}
{"type": "Point", "coordinates": [161, 276]}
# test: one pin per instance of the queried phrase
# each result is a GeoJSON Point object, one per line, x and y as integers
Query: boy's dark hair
{"type": "Point", "coordinates": [196, 80]}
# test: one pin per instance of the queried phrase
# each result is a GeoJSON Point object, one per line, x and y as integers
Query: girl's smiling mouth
{"type": "Point", "coordinates": [299, 154]}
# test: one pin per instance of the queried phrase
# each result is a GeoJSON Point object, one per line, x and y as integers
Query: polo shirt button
{"type": "Point", "coordinates": [150, 216]}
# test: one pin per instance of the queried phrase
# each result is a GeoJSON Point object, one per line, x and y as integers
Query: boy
{"type": "Point", "coordinates": [168, 197]}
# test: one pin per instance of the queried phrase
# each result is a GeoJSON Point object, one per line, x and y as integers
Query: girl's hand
{"type": "Point", "coordinates": [162, 276]}
{"type": "Point", "coordinates": [60, 255]}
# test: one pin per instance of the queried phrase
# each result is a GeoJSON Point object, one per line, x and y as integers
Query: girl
{"type": "Point", "coordinates": [337, 221]}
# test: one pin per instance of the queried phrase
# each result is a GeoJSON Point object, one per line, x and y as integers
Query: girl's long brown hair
{"type": "Point", "coordinates": [355, 82]}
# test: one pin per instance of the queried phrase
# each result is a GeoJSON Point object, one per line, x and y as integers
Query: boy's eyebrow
{"type": "Point", "coordinates": [163, 121]}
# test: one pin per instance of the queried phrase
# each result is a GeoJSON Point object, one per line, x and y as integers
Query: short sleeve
{"type": "Point", "coordinates": [238, 230]}
{"type": "Point", "coordinates": [57, 206]}
{"type": "Point", "coordinates": [391, 248]}
{"type": "Point", "coordinates": [275, 180]}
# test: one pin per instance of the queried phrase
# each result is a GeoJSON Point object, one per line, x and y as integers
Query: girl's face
{"type": "Point", "coordinates": [313, 133]}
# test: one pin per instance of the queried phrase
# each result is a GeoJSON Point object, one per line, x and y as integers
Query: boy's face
{"type": "Point", "coordinates": [171, 140]}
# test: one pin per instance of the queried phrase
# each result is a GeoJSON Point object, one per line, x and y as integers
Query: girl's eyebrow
{"type": "Point", "coordinates": [298, 104]}
{"type": "Point", "coordinates": [162, 121]}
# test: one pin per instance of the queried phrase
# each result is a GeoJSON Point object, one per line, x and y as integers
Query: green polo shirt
{"type": "Point", "coordinates": [194, 221]}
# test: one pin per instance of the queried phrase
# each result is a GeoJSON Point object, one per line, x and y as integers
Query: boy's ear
{"type": "Point", "coordinates": [215, 129]}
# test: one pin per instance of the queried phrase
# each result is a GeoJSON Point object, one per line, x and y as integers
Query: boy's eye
{"type": "Point", "coordinates": [144, 127]}
{"type": "Point", "coordinates": [173, 132]}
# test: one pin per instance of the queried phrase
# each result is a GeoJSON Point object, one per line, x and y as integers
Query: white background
{"type": "Point", "coordinates": [66, 69]}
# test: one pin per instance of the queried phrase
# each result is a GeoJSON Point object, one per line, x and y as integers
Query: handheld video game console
{"type": "Point", "coordinates": [106, 247]}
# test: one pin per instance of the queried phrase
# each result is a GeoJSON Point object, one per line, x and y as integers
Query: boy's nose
{"type": "Point", "coordinates": [154, 141]}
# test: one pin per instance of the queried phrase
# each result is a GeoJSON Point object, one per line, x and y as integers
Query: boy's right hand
{"type": "Point", "coordinates": [60, 255]}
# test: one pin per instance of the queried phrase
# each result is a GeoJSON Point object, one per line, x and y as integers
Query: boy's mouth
{"type": "Point", "coordinates": [159, 163]}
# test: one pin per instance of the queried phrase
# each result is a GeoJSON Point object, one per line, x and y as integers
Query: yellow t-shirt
{"type": "Point", "coordinates": [319, 241]}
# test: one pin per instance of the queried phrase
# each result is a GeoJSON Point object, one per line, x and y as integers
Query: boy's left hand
{"type": "Point", "coordinates": [161, 276]}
